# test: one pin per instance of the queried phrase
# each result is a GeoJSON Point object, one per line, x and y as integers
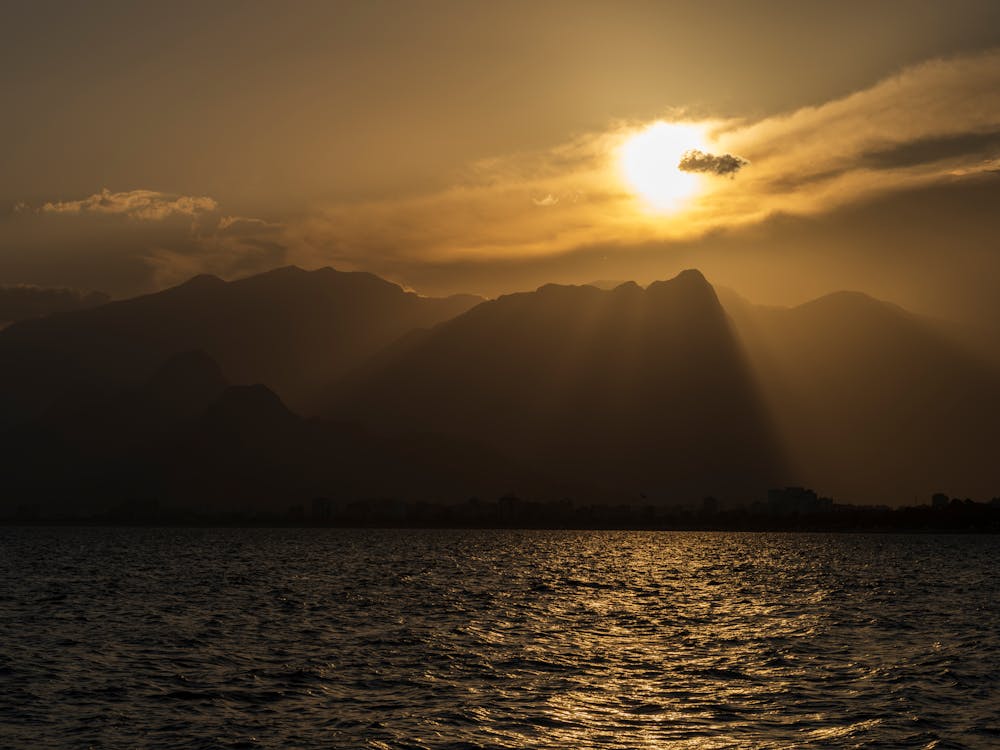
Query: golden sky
{"type": "Point", "coordinates": [488, 147]}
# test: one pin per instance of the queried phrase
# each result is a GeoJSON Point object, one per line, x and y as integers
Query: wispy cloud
{"type": "Point", "coordinates": [156, 239]}
{"type": "Point", "coordinates": [547, 200]}
{"type": "Point", "coordinates": [145, 205]}
{"type": "Point", "coordinates": [936, 123]}
{"type": "Point", "coordinates": [928, 124]}
{"type": "Point", "coordinates": [246, 224]}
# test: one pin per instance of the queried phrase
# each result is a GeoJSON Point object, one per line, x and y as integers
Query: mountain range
{"type": "Point", "coordinates": [874, 402]}
{"type": "Point", "coordinates": [624, 394]}
{"type": "Point", "coordinates": [638, 391]}
{"type": "Point", "coordinates": [294, 330]}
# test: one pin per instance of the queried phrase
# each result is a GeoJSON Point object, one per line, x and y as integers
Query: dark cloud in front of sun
{"type": "Point", "coordinates": [700, 161]}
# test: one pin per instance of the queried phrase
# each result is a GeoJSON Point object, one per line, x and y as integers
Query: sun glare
{"type": "Point", "coordinates": [649, 162]}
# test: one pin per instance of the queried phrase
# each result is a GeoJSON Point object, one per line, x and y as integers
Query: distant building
{"type": "Point", "coordinates": [510, 508]}
{"type": "Point", "coordinates": [386, 510]}
{"type": "Point", "coordinates": [322, 509]}
{"type": "Point", "coordinates": [789, 500]}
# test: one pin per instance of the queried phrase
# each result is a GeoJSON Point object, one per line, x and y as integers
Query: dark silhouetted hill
{"type": "Point", "coordinates": [90, 444]}
{"type": "Point", "coordinates": [876, 404]}
{"type": "Point", "coordinates": [187, 439]}
{"type": "Point", "coordinates": [107, 418]}
{"type": "Point", "coordinates": [629, 390]}
{"type": "Point", "coordinates": [291, 329]}
{"type": "Point", "coordinates": [186, 384]}
{"type": "Point", "coordinates": [625, 395]}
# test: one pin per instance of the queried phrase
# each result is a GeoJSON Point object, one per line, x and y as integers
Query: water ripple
{"type": "Point", "coordinates": [496, 639]}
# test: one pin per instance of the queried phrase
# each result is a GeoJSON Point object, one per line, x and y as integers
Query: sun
{"type": "Point", "coordinates": [649, 160]}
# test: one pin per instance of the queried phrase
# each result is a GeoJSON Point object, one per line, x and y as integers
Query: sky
{"type": "Point", "coordinates": [492, 147]}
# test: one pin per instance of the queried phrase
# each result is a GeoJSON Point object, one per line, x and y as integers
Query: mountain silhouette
{"type": "Point", "coordinates": [875, 403]}
{"type": "Point", "coordinates": [185, 438]}
{"type": "Point", "coordinates": [186, 384]}
{"type": "Point", "coordinates": [291, 329]}
{"type": "Point", "coordinates": [620, 395]}
{"type": "Point", "coordinates": [99, 415]}
{"type": "Point", "coordinates": [634, 391]}
{"type": "Point", "coordinates": [90, 445]}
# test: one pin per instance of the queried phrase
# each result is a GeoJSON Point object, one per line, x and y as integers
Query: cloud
{"type": "Point", "coordinates": [246, 225]}
{"type": "Point", "coordinates": [931, 124]}
{"type": "Point", "coordinates": [233, 246]}
{"type": "Point", "coordinates": [905, 131]}
{"type": "Point", "coordinates": [699, 161]}
{"type": "Point", "coordinates": [933, 149]}
{"type": "Point", "coordinates": [144, 205]}
{"type": "Point", "coordinates": [133, 241]}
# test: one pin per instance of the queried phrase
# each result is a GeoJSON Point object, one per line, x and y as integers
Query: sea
{"type": "Point", "coordinates": [333, 638]}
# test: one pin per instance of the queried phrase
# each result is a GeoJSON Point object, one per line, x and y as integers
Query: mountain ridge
{"type": "Point", "coordinates": [579, 378]}
{"type": "Point", "coordinates": [293, 329]}
{"type": "Point", "coordinates": [672, 391]}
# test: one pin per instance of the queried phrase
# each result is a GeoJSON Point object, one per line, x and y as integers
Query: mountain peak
{"type": "Point", "coordinates": [202, 281]}
{"type": "Point", "coordinates": [289, 270]}
{"type": "Point", "coordinates": [845, 297]}
{"type": "Point", "coordinates": [690, 277]}
{"type": "Point", "coordinates": [627, 287]}
{"type": "Point", "coordinates": [690, 285]}
{"type": "Point", "coordinates": [851, 303]}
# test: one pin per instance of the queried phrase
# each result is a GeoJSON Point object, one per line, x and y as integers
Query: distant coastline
{"type": "Point", "coordinates": [944, 515]}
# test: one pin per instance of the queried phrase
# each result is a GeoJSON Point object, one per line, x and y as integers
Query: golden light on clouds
{"type": "Point", "coordinates": [668, 179]}
{"type": "Point", "coordinates": [650, 162]}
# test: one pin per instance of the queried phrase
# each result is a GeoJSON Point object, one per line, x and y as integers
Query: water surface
{"type": "Point", "coordinates": [499, 639]}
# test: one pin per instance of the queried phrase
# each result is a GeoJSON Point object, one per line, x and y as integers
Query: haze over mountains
{"type": "Point", "coordinates": [874, 402]}
{"type": "Point", "coordinates": [637, 391]}
{"type": "Point", "coordinates": [294, 330]}
{"type": "Point", "coordinates": [25, 301]}
{"type": "Point", "coordinates": [625, 394]}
